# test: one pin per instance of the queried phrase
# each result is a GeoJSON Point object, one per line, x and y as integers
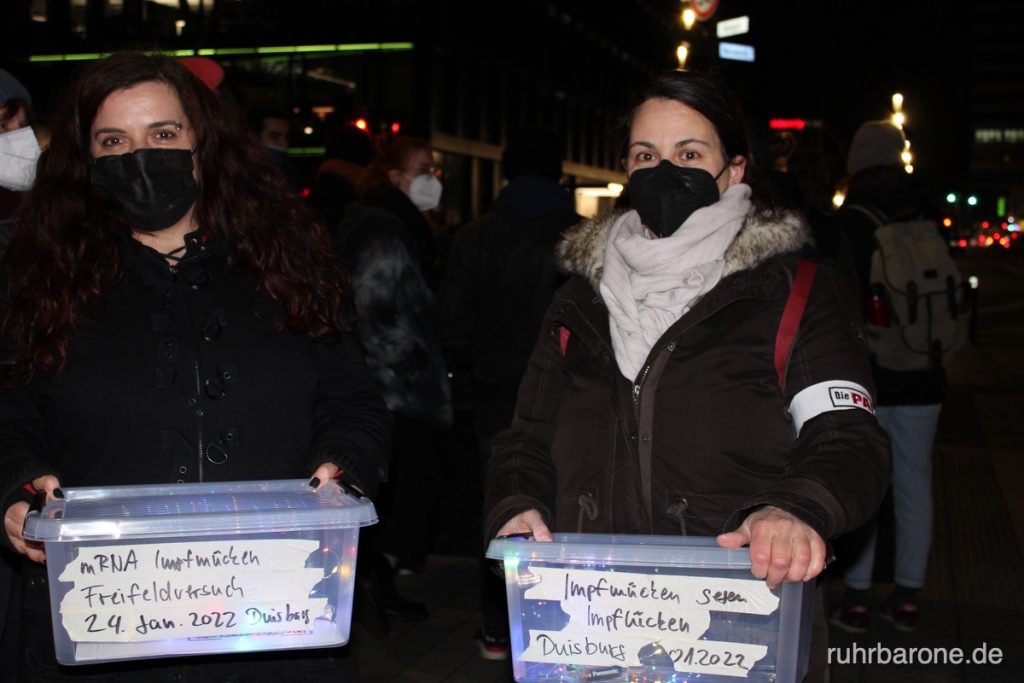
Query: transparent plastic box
{"type": "Point", "coordinates": [646, 609]}
{"type": "Point", "coordinates": [188, 569]}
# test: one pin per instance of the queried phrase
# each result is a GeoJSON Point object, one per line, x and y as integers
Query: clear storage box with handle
{"type": "Point", "coordinates": [187, 569]}
{"type": "Point", "coordinates": [597, 607]}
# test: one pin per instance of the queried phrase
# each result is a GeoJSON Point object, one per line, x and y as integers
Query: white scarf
{"type": "Point", "coordinates": [648, 283]}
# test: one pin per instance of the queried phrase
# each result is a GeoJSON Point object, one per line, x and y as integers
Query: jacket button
{"type": "Point", "coordinates": [632, 437]}
{"type": "Point", "coordinates": [645, 437]}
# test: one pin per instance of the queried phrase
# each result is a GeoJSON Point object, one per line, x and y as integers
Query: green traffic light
{"type": "Point", "coordinates": [972, 200]}
{"type": "Point", "coordinates": [951, 198]}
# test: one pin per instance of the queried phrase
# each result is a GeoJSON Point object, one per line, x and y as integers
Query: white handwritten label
{"type": "Point", "coordinates": [625, 589]}
{"type": "Point", "coordinates": [616, 618]}
{"type": "Point", "coordinates": [595, 649]}
{"type": "Point", "coordinates": [139, 593]}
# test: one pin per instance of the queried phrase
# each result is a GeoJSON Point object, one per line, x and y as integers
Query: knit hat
{"type": "Point", "coordinates": [876, 143]}
{"type": "Point", "coordinates": [12, 89]}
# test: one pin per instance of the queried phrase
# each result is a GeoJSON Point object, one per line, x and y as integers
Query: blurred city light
{"type": "Point", "coordinates": [787, 124]}
{"type": "Point", "coordinates": [972, 200]}
{"type": "Point", "coordinates": [897, 101]}
{"type": "Point", "coordinates": [689, 18]}
{"type": "Point", "coordinates": [898, 119]}
{"type": "Point", "coordinates": [951, 198]}
{"type": "Point", "coordinates": [838, 198]}
{"type": "Point", "coordinates": [682, 53]}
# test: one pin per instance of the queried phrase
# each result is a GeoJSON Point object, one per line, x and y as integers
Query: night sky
{"type": "Point", "coordinates": [840, 62]}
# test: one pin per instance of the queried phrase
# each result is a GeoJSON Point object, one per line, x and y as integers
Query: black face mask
{"type": "Point", "coordinates": [154, 188]}
{"type": "Point", "coordinates": [665, 195]}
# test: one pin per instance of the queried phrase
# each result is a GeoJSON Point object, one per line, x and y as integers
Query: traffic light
{"type": "Point", "coordinates": [951, 198]}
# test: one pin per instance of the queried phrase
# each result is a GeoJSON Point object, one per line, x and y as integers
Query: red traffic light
{"type": "Point", "coordinates": [787, 124]}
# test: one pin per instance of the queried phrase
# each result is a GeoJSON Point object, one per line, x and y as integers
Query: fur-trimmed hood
{"type": "Point", "coordinates": [581, 251]}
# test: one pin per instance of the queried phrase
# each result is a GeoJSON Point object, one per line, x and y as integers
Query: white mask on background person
{"type": "Point", "coordinates": [19, 152]}
{"type": "Point", "coordinates": [425, 191]}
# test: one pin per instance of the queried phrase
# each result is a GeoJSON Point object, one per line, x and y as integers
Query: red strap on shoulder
{"type": "Point", "coordinates": [563, 339]}
{"type": "Point", "coordinates": [792, 313]}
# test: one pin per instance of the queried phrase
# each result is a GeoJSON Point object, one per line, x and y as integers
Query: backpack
{"type": "Point", "coordinates": [918, 308]}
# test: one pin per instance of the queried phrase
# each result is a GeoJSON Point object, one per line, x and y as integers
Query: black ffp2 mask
{"type": "Point", "coordinates": [665, 195]}
{"type": "Point", "coordinates": [154, 188]}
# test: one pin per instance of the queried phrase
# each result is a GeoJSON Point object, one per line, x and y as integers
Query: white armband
{"type": "Point", "coordinates": [823, 397]}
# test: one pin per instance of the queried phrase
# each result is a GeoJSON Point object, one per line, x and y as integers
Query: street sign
{"type": "Point", "coordinates": [732, 27]}
{"type": "Point", "coordinates": [736, 51]}
{"type": "Point", "coordinates": [704, 9]}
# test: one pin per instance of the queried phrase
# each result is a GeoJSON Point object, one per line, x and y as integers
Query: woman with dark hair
{"type": "Point", "coordinates": [402, 180]}
{"type": "Point", "coordinates": [171, 314]}
{"type": "Point", "coordinates": [655, 402]}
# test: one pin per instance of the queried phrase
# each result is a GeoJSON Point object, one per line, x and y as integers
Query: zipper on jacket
{"type": "Point", "coordinates": [636, 390]}
{"type": "Point", "coordinates": [199, 421]}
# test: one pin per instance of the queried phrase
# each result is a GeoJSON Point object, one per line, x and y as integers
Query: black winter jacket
{"type": "Point", "coordinates": [500, 278]}
{"type": "Point", "coordinates": [394, 309]}
{"type": "Point", "coordinates": [180, 376]}
{"type": "Point", "coordinates": [704, 436]}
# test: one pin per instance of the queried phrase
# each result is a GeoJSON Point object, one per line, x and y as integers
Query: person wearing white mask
{"type": "Point", "coordinates": [19, 148]}
{"type": "Point", "coordinates": [389, 243]}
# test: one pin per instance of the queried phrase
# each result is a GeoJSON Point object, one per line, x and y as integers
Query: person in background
{"type": "Point", "coordinates": [909, 401]}
{"type": "Point", "coordinates": [388, 243]}
{"type": "Point", "coordinates": [498, 282]}
{"type": "Point", "coordinates": [651, 403]}
{"type": "Point", "coordinates": [19, 147]}
{"type": "Point", "coordinates": [347, 152]}
{"type": "Point", "coordinates": [171, 313]}
{"type": "Point", "coordinates": [403, 181]}
{"type": "Point", "coordinates": [19, 151]}
{"type": "Point", "coordinates": [272, 128]}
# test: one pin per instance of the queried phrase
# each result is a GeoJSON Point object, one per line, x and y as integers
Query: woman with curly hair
{"type": "Point", "coordinates": [172, 314]}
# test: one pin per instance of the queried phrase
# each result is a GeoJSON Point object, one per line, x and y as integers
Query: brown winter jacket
{"type": "Point", "coordinates": [704, 436]}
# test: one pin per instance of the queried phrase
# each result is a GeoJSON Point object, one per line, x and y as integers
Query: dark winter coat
{"type": "Point", "coordinates": [500, 278]}
{"type": "Point", "coordinates": [180, 376]}
{"type": "Point", "coordinates": [889, 192]}
{"type": "Point", "coordinates": [704, 436]}
{"type": "Point", "coordinates": [394, 309]}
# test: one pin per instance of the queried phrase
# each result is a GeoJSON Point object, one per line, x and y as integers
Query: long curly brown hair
{"type": "Point", "coordinates": [66, 249]}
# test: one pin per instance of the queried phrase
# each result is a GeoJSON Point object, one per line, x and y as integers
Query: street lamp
{"type": "Point", "coordinates": [689, 18]}
{"type": "Point", "coordinates": [682, 54]}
